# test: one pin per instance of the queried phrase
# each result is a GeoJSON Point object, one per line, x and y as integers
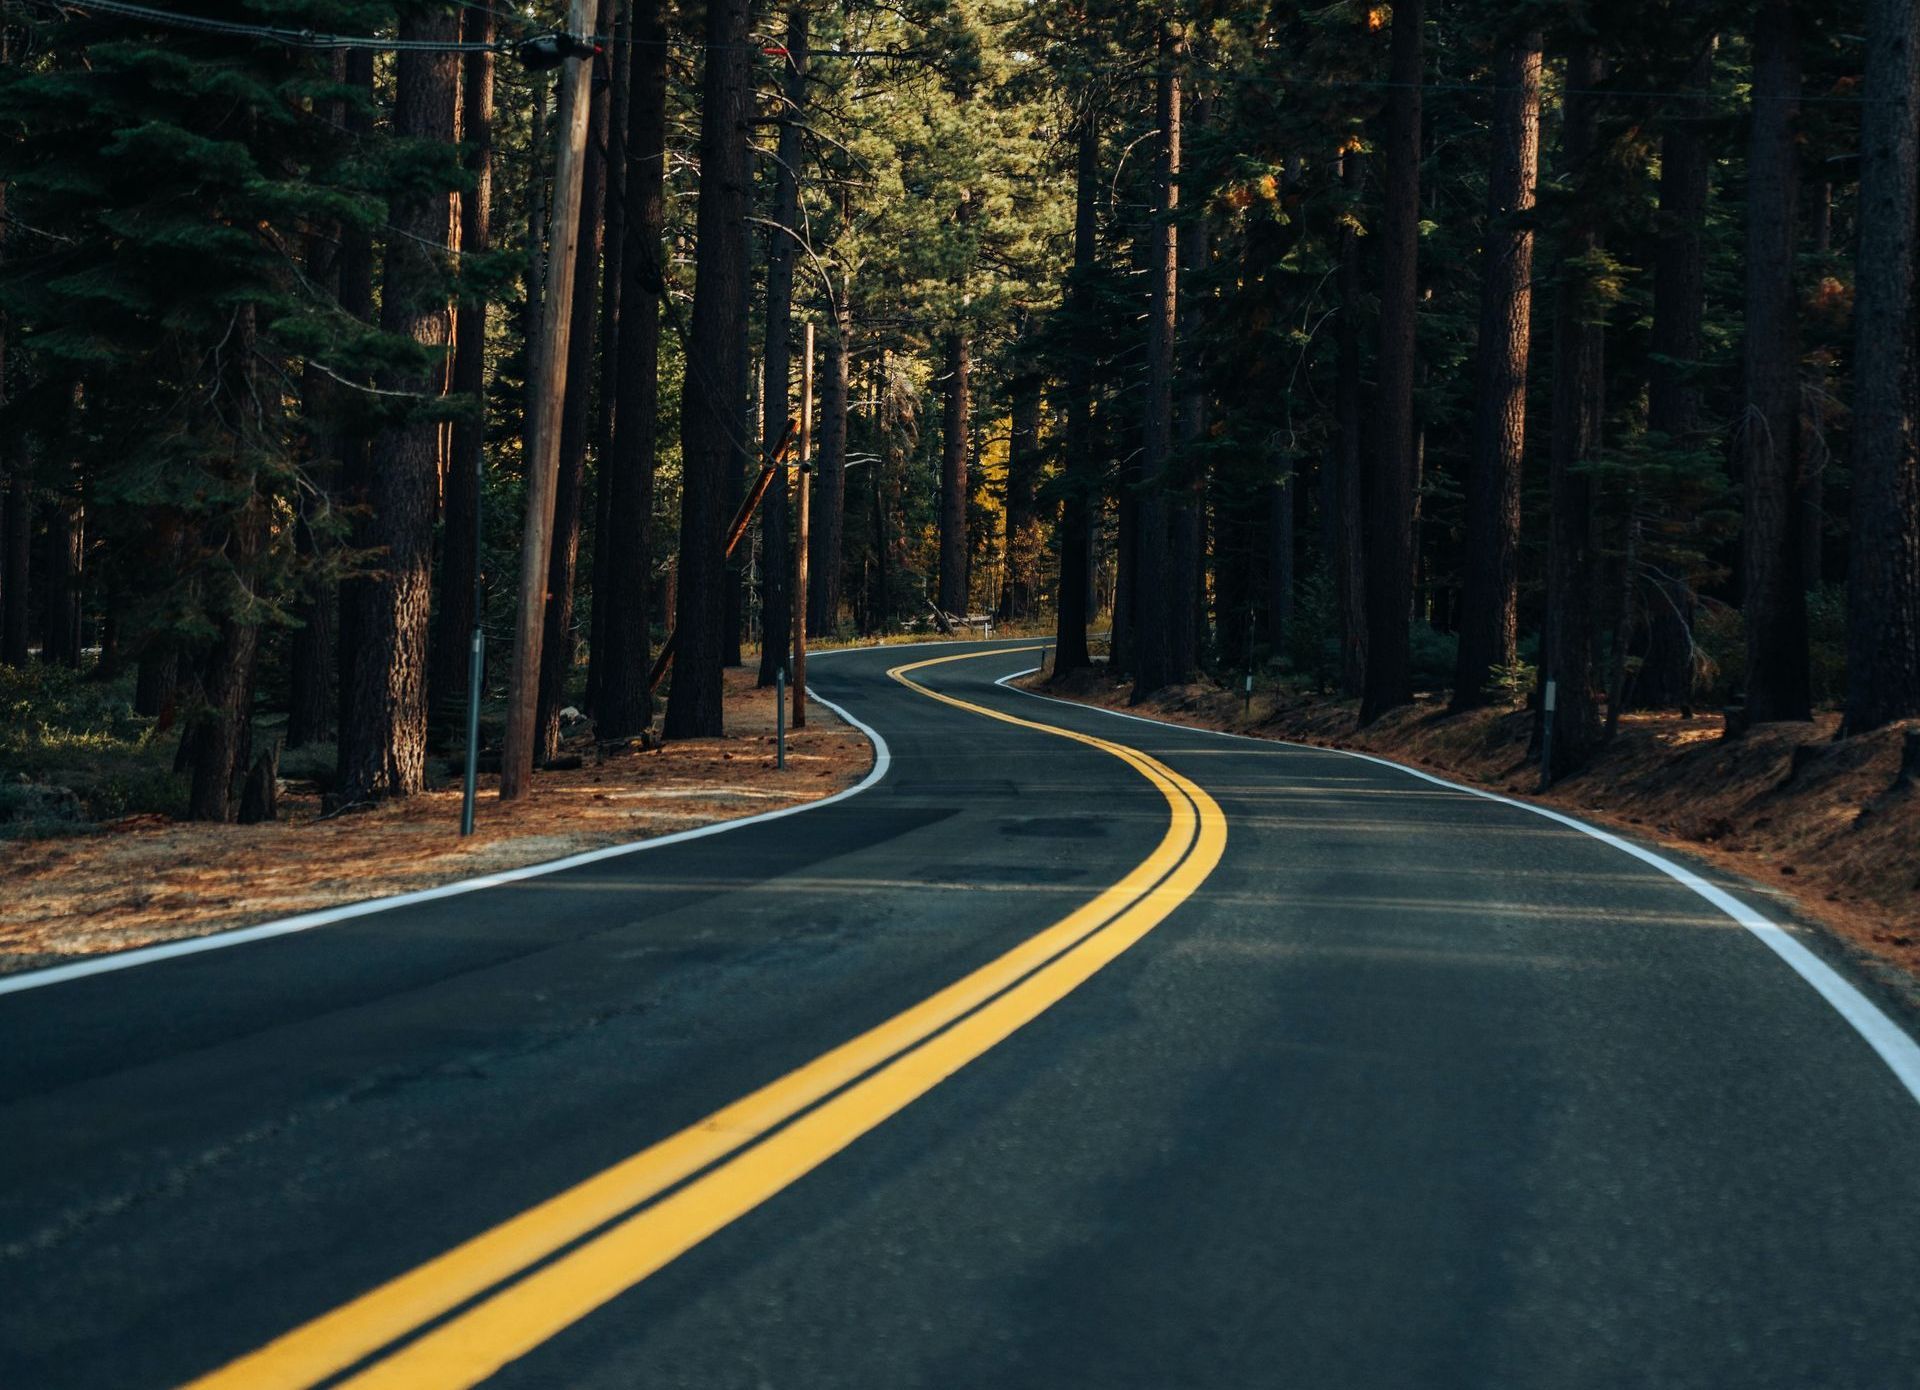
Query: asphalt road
{"type": "Point", "coordinates": [1412, 1089]}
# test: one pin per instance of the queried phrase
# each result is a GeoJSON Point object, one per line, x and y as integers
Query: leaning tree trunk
{"type": "Point", "coordinates": [558, 650]}
{"type": "Point", "coordinates": [1489, 601]}
{"type": "Point", "coordinates": [625, 705]}
{"type": "Point", "coordinates": [1673, 394]}
{"type": "Point", "coordinates": [459, 548]}
{"type": "Point", "coordinates": [1567, 658]}
{"type": "Point", "coordinates": [777, 599]}
{"type": "Point", "coordinates": [1774, 602]}
{"type": "Point", "coordinates": [1883, 572]}
{"type": "Point", "coordinates": [715, 384]}
{"type": "Point", "coordinates": [383, 738]}
{"type": "Point", "coordinates": [829, 504]}
{"type": "Point", "coordinates": [1076, 511]}
{"type": "Point", "coordinates": [1154, 579]}
{"type": "Point", "coordinates": [953, 476]}
{"type": "Point", "coordinates": [1390, 480]}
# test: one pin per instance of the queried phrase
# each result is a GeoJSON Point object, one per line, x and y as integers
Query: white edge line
{"type": "Point", "coordinates": [306, 921]}
{"type": "Point", "coordinates": [1888, 1039]}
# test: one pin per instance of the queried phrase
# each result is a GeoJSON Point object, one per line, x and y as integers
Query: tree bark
{"type": "Point", "coordinates": [1673, 392]}
{"type": "Point", "coordinates": [1076, 511]}
{"type": "Point", "coordinates": [13, 615]}
{"type": "Point", "coordinates": [625, 705]}
{"type": "Point", "coordinates": [612, 293]}
{"type": "Point", "coordinates": [1390, 480]}
{"type": "Point", "coordinates": [953, 475]}
{"type": "Point", "coordinates": [1883, 572]}
{"type": "Point", "coordinates": [356, 299]}
{"type": "Point", "coordinates": [1186, 513]}
{"type": "Point", "coordinates": [1349, 555]}
{"type": "Point", "coordinates": [1779, 677]}
{"type": "Point", "coordinates": [459, 554]}
{"type": "Point", "coordinates": [1567, 656]}
{"type": "Point", "coordinates": [776, 557]}
{"type": "Point", "coordinates": [1489, 619]}
{"type": "Point", "coordinates": [312, 699]}
{"type": "Point", "coordinates": [558, 648]}
{"type": "Point", "coordinates": [830, 474]}
{"type": "Point", "coordinates": [383, 740]}
{"type": "Point", "coordinates": [1280, 553]}
{"type": "Point", "coordinates": [1154, 578]}
{"type": "Point", "coordinates": [715, 384]}
{"type": "Point", "coordinates": [1022, 514]}
{"type": "Point", "coordinates": [65, 559]}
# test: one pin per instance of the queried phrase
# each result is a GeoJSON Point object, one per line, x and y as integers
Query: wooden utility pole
{"type": "Point", "coordinates": [550, 386]}
{"type": "Point", "coordinates": [801, 494]}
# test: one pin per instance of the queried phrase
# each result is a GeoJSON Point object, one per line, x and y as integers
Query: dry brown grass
{"type": "Point", "coordinates": [148, 879]}
{"type": "Point", "coordinates": [1819, 822]}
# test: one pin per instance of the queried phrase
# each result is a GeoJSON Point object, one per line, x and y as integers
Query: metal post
{"type": "Point", "coordinates": [800, 534]}
{"type": "Point", "coordinates": [780, 717]}
{"type": "Point", "coordinates": [1546, 736]}
{"type": "Point", "coordinates": [1249, 695]}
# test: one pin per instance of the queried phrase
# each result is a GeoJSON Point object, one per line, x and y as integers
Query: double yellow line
{"type": "Point", "coordinates": [480, 1306]}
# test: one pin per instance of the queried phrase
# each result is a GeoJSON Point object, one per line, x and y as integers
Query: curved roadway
{"type": "Point", "coordinates": [1411, 1088]}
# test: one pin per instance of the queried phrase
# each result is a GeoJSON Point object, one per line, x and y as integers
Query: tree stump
{"type": "Point", "coordinates": [260, 796]}
{"type": "Point", "coordinates": [1737, 721]}
{"type": "Point", "coordinates": [1909, 759]}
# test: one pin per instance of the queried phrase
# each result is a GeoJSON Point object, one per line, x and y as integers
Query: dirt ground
{"type": "Point", "coordinates": [1817, 823]}
{"type": "Point", "coordinates": [147, 879]}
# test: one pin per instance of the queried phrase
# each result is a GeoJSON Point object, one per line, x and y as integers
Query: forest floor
{"type": "Point", "coordinates": [146, 878]}
{"type": "Point", "coordinates": [1819, 825]}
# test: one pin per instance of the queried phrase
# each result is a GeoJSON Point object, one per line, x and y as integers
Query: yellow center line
{"type": "Point", "coordinates": [977, 1012]}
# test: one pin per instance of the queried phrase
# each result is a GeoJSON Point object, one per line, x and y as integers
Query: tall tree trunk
{"type": "Point", "coordinates": [1883, 571]}
{"type": "Point", "coordinates": [1186, 512]}
{"type": "Point", "coordinates": [383, 740]}
{"type": "Point", "coordinates": [1489, 619]}
{"type": "Point", "coordinates": [1280, 552]}
{"type": "Point", "coordinates": [15, 505]}
{"type": "Point", "coordinates": [1673, 393]}
{"type": "Point", "coordinates": [1076, 511]}
{"type": "Point", "coordinates": [829, 504]}
{"type": "Point", "coordinates": [1567, 658]}
{"type": "Point", "coordinates": [1390, 480]}
{"type": "Point", "coordinates": [612, 292]}
{"type": "Point", "coordinates": [312, 700]}
{"type": "Point", "coordinates": [356, 299]}
{"type": "Point", "coordinates": [625, 705]}
{"type": "Point", "coordinates": [459, 551]}
{"type": "Point", "coordinates": [953, 475]}
{"type": "Point", "coordinates": [777, 600]}
{"type": "Point", "coordinates": [558, 649]}
{"type": "Point", "coordinates": [222, 732]}
{"type": "Point", "coordinates": [1779, 677]}
{"type": "Point", "coordinates": [1022, 513]}
{"type": "Point", "coordinates": [65, 559]}
{"type": "Point", "coordinates": [1153, 660]}
{"type": "Point", "coordinates": [1350, 551]}
{"type": "Point", "coordinates": [715, 384]}
{"type": "Point", "coordinates": [536, 264]}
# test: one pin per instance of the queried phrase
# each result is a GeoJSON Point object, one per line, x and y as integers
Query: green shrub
{"type": "Point", "coordinates": [1432, 656]}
